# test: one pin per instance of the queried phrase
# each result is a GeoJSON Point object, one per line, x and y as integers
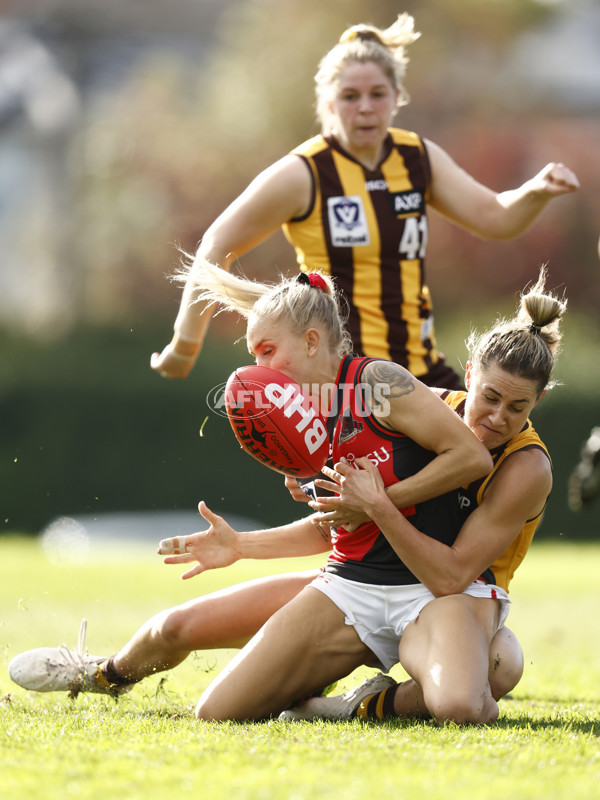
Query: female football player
{"type": "Point", "coordinates": [353, 202]}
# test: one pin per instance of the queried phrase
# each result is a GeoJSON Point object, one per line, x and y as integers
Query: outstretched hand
{"type": "Point", "coordinates": [555, 179]}
{"type": "Point", "coordinates": [213, 548]}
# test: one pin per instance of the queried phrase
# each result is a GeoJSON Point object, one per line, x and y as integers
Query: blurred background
{"type": "Point", "coordinates": [126, 126]}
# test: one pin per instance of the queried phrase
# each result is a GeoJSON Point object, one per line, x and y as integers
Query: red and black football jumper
{"type": "Point", "coordinates": [365, 555]}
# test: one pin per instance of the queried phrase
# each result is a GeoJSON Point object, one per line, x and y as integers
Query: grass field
{"type": "Point", "coordinates": [148, 745]}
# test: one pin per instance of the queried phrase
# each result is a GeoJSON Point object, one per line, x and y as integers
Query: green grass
{"type": "Point", "coordinates": [148, 745]}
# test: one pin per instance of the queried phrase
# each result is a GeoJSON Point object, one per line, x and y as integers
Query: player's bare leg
{"type": "Point", "coordinates": [303, 647]}
{"type": "Point", "coordinates": [504, 672]}
{"type": "Point", "coordinates": [224, 619]}
{"type": "Point", "coordinates": [447, 652]}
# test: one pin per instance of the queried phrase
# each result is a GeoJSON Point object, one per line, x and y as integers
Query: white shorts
{"type": "Point", "coordinates": [379, 614]}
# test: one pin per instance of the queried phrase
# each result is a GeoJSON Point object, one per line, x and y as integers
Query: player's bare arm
{"type": "Point", "coordinates": [461, 458]}
{"type": "Point", "coordinates": [221, 545]}
{"type": "Point", "coordinates": [517, 494]}
{"type": "Point", "coordinates": [386, 380]}
{"type": "Point", "coordinates": [486, 213]}
{"type": "Point", "coordinates": [278, 194]}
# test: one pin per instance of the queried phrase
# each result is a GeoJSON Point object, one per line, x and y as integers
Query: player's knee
{"type": "Point", "coordinates": [506, 663]}
{"type": "Point", "coordinates": [464, 708]}
{"type": "Point", "coordinates": [466, 714]}
{"type": "Point", "coordinates": [204, 711]}
{"type": "Point", "coordinates": [210, 709]}
{"type": "Point", "coordinates": [171, 627]}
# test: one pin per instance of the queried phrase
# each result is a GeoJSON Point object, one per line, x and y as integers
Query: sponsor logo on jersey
{"type": "Point", "coordinates": [463, 500]}
{"type": "Point", "coordinates": [349, 427]}
{"type": "Point", "coordinates": [378, 185]}
{"type": "Point", "coordinates": [347, 221]}
{"type": "Point", "coordinates": [409, 202]}
{"type": "Point", "coordinates": [376, 457]}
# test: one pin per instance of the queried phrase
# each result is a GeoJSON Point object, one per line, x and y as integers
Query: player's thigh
{"type": "Point", "coordinates": [450, 641]}
{"type": "Point", "coordinates": [231, 616]}
{"type": "Point", "coordinates": [303, 647]}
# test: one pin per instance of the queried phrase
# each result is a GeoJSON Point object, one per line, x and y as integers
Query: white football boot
{"type": "Point", "coordinates": [59, 669]}
{"type": "Point", "coordinates": [340, 706]}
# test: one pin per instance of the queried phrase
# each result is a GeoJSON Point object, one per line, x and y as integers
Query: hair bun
{"type": "Point", "coordinates": [359, 32]}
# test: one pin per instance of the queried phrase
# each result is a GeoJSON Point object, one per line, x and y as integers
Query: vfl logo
{"type": "Point", "coordinates": [349, 428]}
{"type": "Point", "coordinates": [347, 221]}
{"type": "Point", "coordinates": [346, 213]}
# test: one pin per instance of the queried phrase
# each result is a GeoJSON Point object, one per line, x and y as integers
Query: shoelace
{"type": "Point", "coordinates": [77, 657]}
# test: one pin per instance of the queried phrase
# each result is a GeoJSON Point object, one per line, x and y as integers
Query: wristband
{"type": "Point", "coordinates": [186, 348]}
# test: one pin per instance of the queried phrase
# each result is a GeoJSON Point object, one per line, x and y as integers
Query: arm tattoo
{"type": "Point", "coordinates": [385, 373]}
{"type": "Point", "coordinates": [326, 536]}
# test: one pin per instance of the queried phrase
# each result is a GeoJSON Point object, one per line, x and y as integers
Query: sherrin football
{"type": "Point", "coordinates": [275, 422]}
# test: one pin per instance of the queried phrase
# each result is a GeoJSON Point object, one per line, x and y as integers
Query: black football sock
{"type": "Point", "coordinates": [377, 706]}
{"type": "Point", "coordinates": [112, 675]}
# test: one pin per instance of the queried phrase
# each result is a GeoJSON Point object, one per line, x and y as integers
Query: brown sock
{"type": "Point", "coordinates": [377, 706]}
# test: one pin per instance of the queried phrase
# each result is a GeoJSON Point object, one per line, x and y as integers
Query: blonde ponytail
{"type": "Point", "coordinates": [297, 301]}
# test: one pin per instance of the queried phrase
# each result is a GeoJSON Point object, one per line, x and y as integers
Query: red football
{"type": "Point", "coordinates": [275, 422]}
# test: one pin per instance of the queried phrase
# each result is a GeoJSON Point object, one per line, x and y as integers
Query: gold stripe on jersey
{"type": "Point", "coordinates": [390, 307]}
{"type": "Point", "coordinates": [504, 567]}
{"type": "Point", "coordinates": [366, 272]}
{"type": "Point", "coordinates": [398, 179]}
{"type": "Point", "coordinates": [410, 274]}
{"type": "Point", "coordinates": [303, 234]}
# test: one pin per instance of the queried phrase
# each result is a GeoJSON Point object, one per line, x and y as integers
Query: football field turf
{"type": "Point", "coordinates": [148, 744]}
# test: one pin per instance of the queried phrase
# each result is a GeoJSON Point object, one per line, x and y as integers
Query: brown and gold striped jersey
{"type": "Point", "coordinates": [505, 566]}
{"type": "Point", "coordinates": [369, 231]}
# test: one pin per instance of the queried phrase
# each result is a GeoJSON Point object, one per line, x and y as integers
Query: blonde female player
{"type": "Point", "coordinates": [166, 639]}
{"type": "Point", "coordinates": [353, 202]}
